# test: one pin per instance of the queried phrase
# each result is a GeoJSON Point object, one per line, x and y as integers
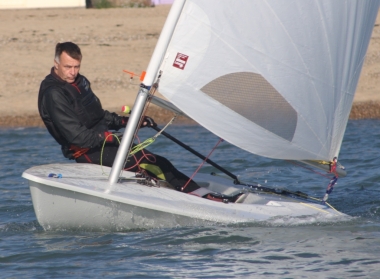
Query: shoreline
{"type": "Point", "coordinates": [160, 116]}
{"type": "Point", "coordinates": [111, 40]}
{"type": "Point", "coordinates": [360, 110]}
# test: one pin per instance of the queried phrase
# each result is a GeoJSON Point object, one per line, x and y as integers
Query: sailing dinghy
{"type": "Point", "coordinates": [275, 78]}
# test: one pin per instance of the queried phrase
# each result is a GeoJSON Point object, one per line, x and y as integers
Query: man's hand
{"type": "Point", "coordinates": [148, 122]}
{"type": "Point", "coordinates": [124, 121]}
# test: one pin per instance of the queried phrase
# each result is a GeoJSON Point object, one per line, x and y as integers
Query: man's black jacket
{"type": "Point", "coordinates": [73, 114]}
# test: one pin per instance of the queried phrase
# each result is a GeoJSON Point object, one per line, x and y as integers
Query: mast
{"type": "Point", "coordinates": [142, 95]}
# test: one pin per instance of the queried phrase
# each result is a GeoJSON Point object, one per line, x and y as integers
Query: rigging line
{"type": "Point", "coordinates": [270, 189]}
{"type": "Point", "coordinates": [329, 205]}
{"type": "Point", "coordinates": [188, 148]}
{"type": "Point", "coordinates": [151, 140]}
{"type": "Point", "coordinates": [331, 184]}
{"type": "Point", "coordinates": [101, 152]}
{"type": "Point", "coordinates": [310, 169]}
{"type": "Point", "coordinates": [316, 208]}
{"type": "Point", "coordinates": [279, 191]}
{"type": "Point", "coordinates": [192, 176]}
{"type": "Point", "coordinates": [137, 161]}
{"type": "Point", "coordinates": [152, 91]}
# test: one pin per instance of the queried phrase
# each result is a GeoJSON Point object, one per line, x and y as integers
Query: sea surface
{"type": "Point", "coordinates": [283, 248]}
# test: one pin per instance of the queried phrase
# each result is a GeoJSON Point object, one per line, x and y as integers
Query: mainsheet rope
{"type": "Point", "coordinates": [149, 141]}
{"type": "Point", "coordinates": [142, 145]}
{"type": "Point", "coordinates": [196, 171]}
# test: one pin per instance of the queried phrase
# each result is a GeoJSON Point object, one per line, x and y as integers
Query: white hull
{"type": "Point", "coordinates": [84, 200]}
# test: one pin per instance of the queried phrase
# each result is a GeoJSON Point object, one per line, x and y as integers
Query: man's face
{"type": "Point", "coordinates": [67, 68]}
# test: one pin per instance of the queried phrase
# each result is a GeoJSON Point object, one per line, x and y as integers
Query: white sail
{"type": "Point", "coordinates": [276, 78]}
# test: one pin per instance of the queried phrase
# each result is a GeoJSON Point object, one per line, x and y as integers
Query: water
{"type": "Point", "coordinates": [284, 248]}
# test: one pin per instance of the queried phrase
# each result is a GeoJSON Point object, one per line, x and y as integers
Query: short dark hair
{"type": "Point", "coordinates": [70, 48]}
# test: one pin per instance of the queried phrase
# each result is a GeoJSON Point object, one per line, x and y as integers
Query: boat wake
{"type": "Point", "coordinates": [21, 227]}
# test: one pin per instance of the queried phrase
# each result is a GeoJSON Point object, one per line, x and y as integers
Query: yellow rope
{"type": "Point", "coordinates": [329, 205]}
{"type": "Point", "coordinates": [314, 207]}
{"type": "Point", "coordinates": [101, 152]}
{"type": "Point", "coordinates": [142, 145]}
{"type": "Point", "coordinates": [322, 162]}
{"type": "Point", "coordinates": [137, 147]}
{"type": "Point", "coordinates": [149, 141]}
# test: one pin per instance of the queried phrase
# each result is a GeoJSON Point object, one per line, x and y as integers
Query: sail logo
{"type": "Point", "coordinates": [180, 61]}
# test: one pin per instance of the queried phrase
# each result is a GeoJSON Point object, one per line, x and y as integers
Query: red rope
{"type": "Point", "coordinates": [144, 155]}
{"type": "Point", "coordinates": [154, 88]}
{"type": "Point", "coordinates": [196, 171]}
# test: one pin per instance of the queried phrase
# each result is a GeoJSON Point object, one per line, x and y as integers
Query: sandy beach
{"type": "Point", "coordinates": [112, 40]}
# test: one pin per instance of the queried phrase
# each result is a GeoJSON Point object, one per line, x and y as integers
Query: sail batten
{"type": "Point", "coordinates": [275, 78]}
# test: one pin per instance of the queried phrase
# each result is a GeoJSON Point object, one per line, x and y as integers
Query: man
{"type": "Point", "coordinates": [75, 118]}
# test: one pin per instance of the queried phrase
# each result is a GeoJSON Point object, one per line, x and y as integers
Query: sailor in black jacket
{"type": "Point", "coordinates": [74, 115]}
{"type": "Point", "coordinates": [75, 118]}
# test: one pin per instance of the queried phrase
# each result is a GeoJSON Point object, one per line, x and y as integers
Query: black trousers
{"type": "Point", "coordinates": [172, 175]}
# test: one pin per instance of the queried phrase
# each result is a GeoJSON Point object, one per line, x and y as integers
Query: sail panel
{"type": "Point", "coordinates": [276, 78]}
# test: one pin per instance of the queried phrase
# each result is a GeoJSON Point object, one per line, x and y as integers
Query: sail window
{"type": "Point", "coordinates": [257, 100]}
